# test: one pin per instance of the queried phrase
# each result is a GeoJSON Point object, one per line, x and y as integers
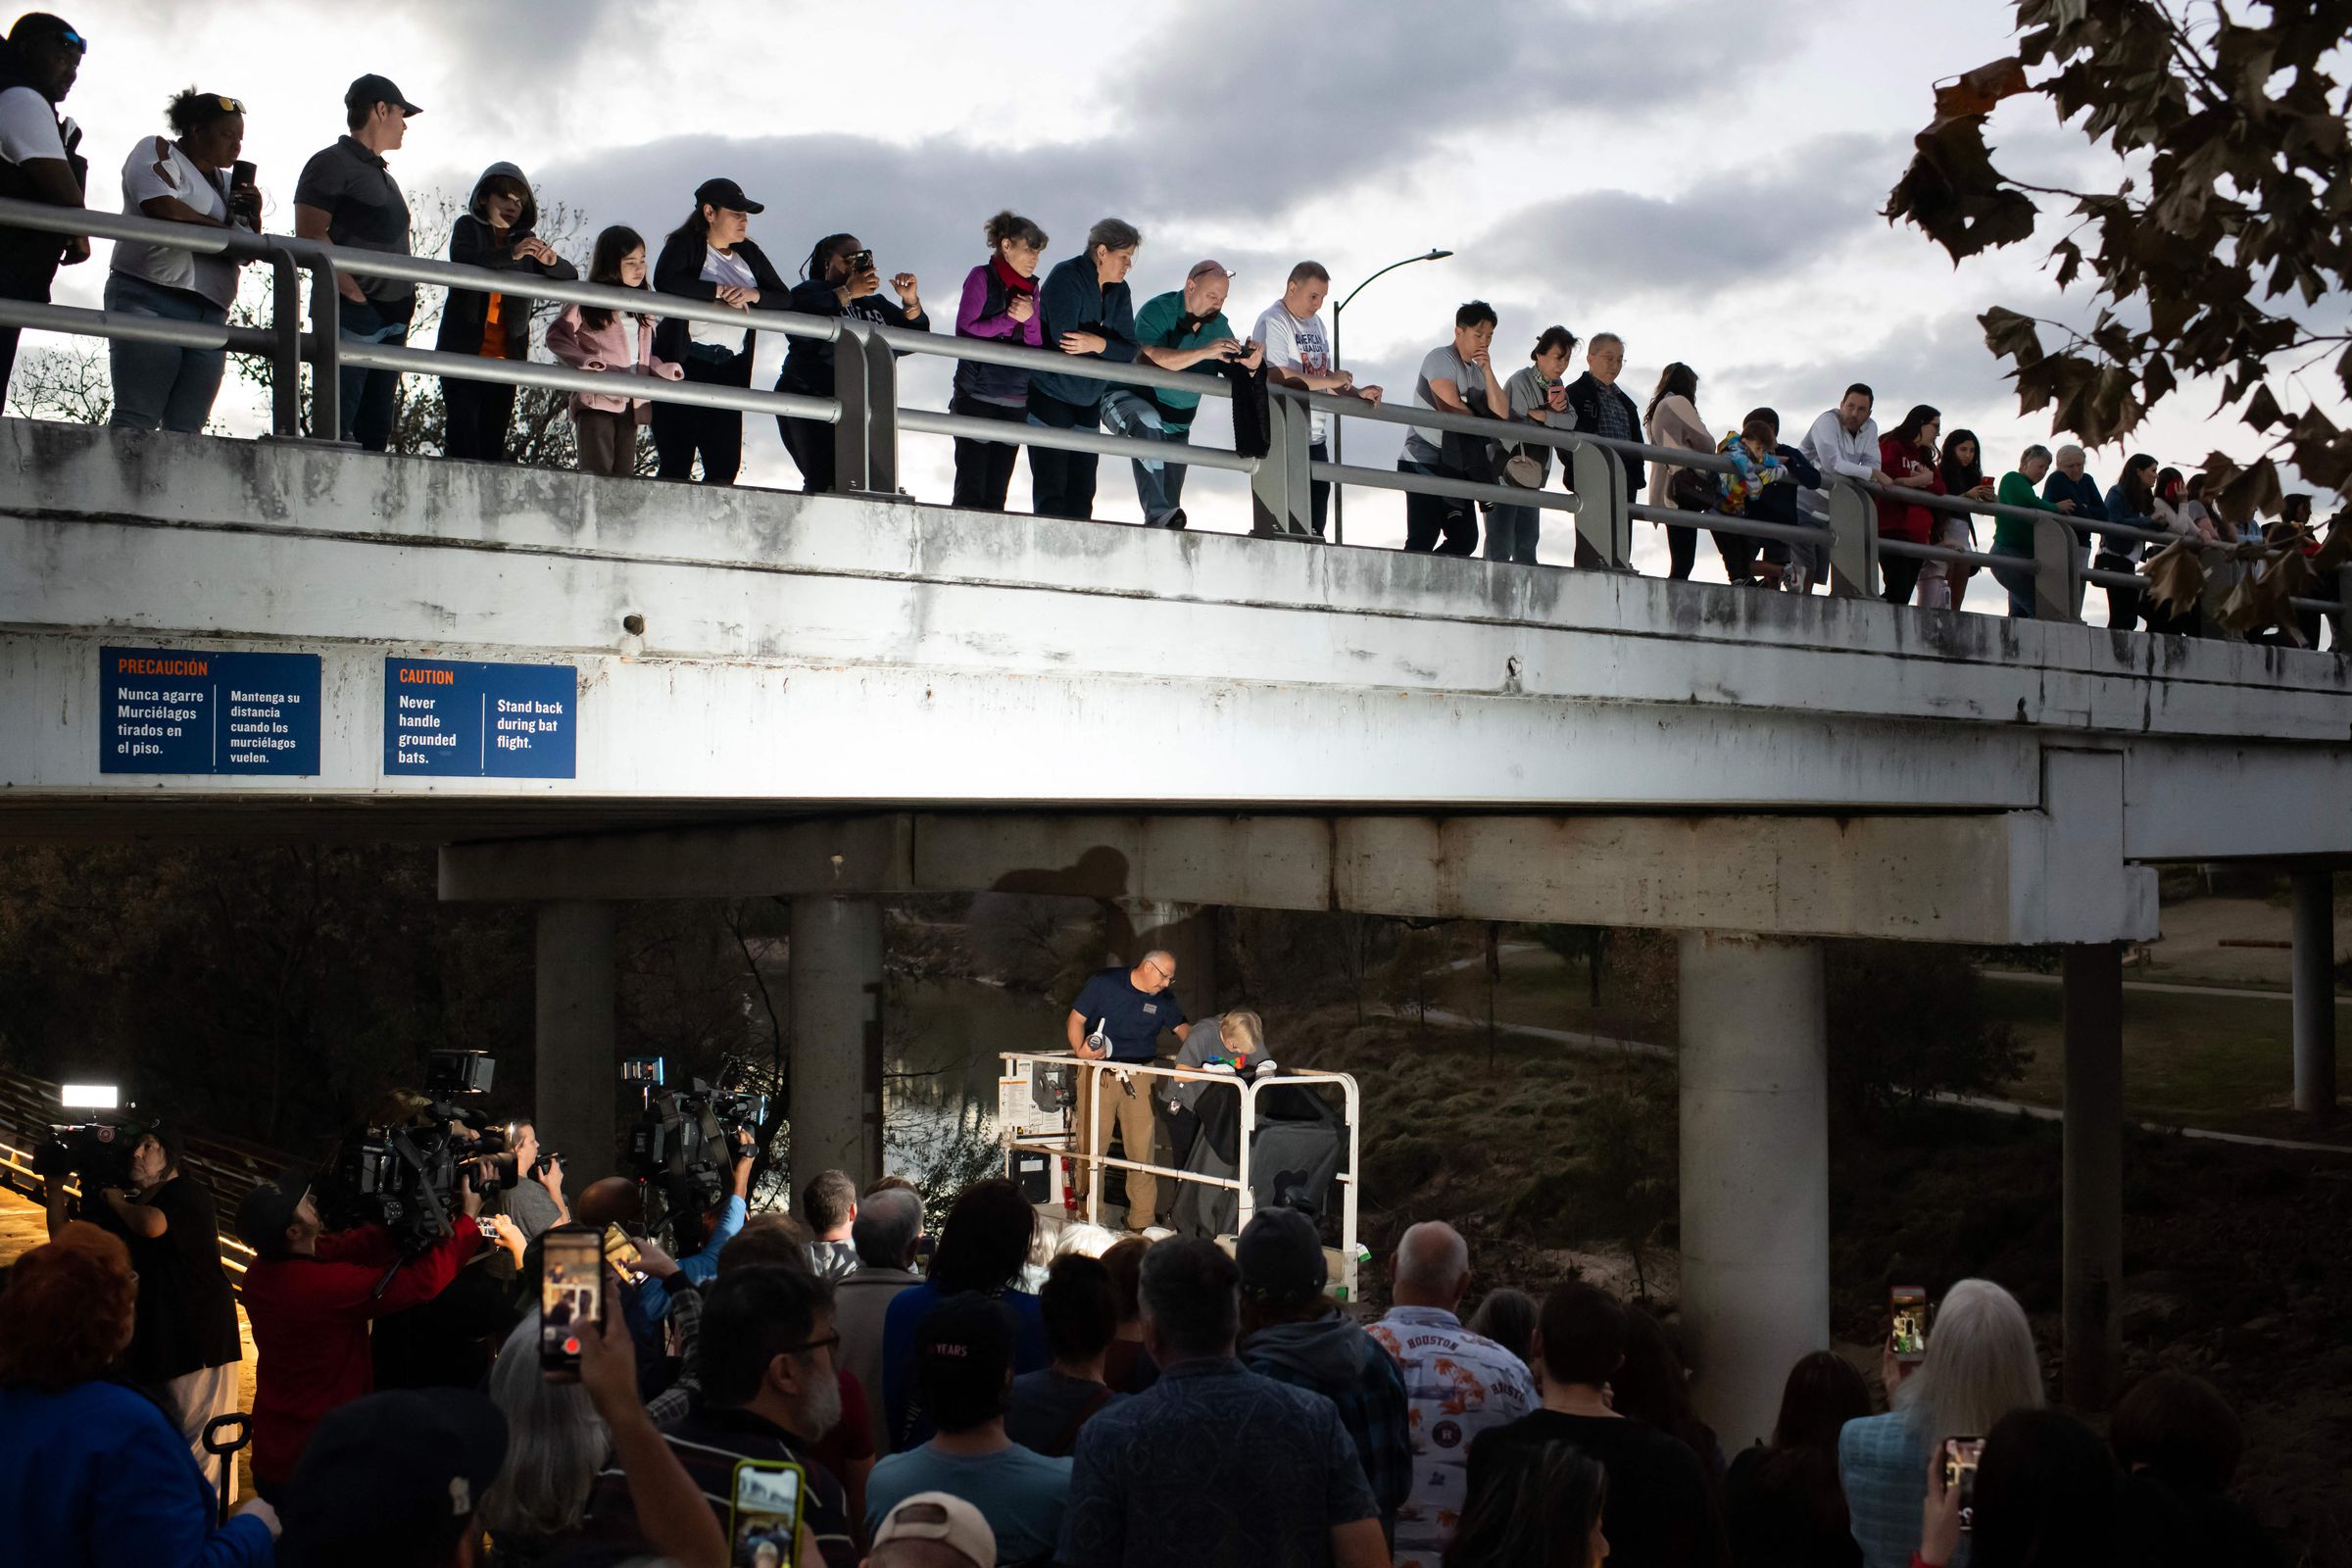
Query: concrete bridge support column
{"type": "Point", "coordinates": [836, 1108]}
{"type": "Point", "coordinates": [577, 1092]}
{"type": "Point", "coordinates": [2314, 993]}
{"type": "Point", "coordinates": [2092, 1206]}
{"type": "Point", "coordinates": [1188, 931]}
{"type": "Point", "coordinates": [1755, 1172]}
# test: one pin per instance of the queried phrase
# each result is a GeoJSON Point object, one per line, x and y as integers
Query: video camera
{"type": "Point", "coordinates": [401, 1170]}
{"type": "Point", "coordinates": [95, 1153]}
{"type": "Point", "coordinates": [681, 1143]}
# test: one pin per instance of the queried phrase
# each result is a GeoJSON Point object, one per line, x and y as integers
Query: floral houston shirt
{"type": "Point", "coordinates": [1456, 1385]}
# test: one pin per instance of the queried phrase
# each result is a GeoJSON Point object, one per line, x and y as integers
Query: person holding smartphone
{"type": "Point", "coordinates": [183, 179]}
{"type": "Point", "coordinates": [1182, 329]}
{"type": "Point", "coordinates": [841, 281]}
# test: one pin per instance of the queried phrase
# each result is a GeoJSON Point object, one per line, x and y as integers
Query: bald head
{"type": "Point", "coordinates": [1432, 1266]}
{"type": "Point", "coordinates": [606, 1203]}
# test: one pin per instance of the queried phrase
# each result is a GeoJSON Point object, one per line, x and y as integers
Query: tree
{"type": "Point", "coordinates": [70, 386]}
{"type": "Point", "coordinates": [2230, 243]}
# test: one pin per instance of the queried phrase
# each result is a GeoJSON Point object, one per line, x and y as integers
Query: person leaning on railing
{"type": "Point", "coordinates": [1299, 355]}
{"type": "Point", "coordinates": [708, 258]}
{"type": "Point", "coordinates": [1777, 502]}
{"type": "Point", "coordinates": [1907, 455]}
{"type": "Point", "coordinates": [1088, 311]}
{"type": "Point", "coordinates": [495, 231]}
{"type": "Point", "coordinates": [2013, 537]}
{"type": "Point", "coordinates": [1182, 329]}
{"type": "Point", "coordinates": [2130, 503]}
{"type": "Point", "coordinates": [842, 282]}
{"type": "Point", "coordinates": [1673, 420]}
{"type": "Point", "coordinates": [39, 160]}
{"type": "Point", "coordinates": [998, 305]}
{"type": "Point", "coordinates": [183, 178]}
{"type": "Point", "coordinates": [1844, 440]}
{"type": "Point", "coordinates": [2069, 482]}
{"type": "Point", "coordinates": [347, 196]}
{"type": "Point", "coordinates": [1451, 375]}
{"type": "Point", "coordinates": [590, 337]}
{"type": "Point", "coordinates": [1942, 584]}
{"type": "Point", "coordinates": [1602, 408]}
{"type": "Point", "coordinates": [1539, 394]}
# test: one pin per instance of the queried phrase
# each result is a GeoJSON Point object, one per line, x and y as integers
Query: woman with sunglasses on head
{"type": "Point", "coordinates": [186, 177]}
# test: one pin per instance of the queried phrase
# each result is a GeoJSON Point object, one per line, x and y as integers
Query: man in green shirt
{"type": "Point", "coordinates": [2014, 536]}
{"type": "Point", "coordinates": [1182, 329]}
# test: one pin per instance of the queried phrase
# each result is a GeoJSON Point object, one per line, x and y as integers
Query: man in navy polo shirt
{"type": "Point", "coordinates": [1118, 1016]}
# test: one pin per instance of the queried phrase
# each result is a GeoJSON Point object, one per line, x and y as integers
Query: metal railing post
{"type": "Point", "coordinates": [1602, 524]}
{"type": "Point", "coordinates": [2055, 596]}
{"type": "Point", "coordinates": [1853, 543]}
{"type": "Point", "coordinates": [326, 352]}
{"type": "Point", "coordinates": [882, 412]}
{"type": "Point", "coordinates": [853, 435]}
{"type": "Point", "coordinates": [285, 364]}
{"type": "Point", "coordinates": [1279, 498]}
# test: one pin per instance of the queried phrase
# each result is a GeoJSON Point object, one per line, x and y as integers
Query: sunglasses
{"type": "Point", "coordinates": [228, 105]}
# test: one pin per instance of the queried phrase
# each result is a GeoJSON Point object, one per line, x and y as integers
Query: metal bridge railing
{"type": "Point", "coordinates": [867, 418]}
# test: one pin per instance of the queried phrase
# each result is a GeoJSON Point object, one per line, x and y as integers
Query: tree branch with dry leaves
{"type": "Point", "coordinates": [2233, 243]}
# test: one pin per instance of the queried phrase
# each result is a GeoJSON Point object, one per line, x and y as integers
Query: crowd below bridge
{"type": "Point", "coordinates": [2152, 520]}
{"type": "Point", "coordinates": [983, 1395]}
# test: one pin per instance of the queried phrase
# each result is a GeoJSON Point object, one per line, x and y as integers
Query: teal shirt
{"type": "Point", "coordinates": [2015, 532]}
{"type": "Point", "coordinates": [1155, 327]}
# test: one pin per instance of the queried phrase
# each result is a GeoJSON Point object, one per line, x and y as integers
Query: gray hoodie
{"type": "Point", "coordinates": [1332, 1350]}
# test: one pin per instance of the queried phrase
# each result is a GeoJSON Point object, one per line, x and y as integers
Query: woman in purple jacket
{"type": "Point", "coordinates": [999, 305]}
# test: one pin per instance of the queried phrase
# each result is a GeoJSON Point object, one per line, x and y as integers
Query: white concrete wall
{"type": "Point", "coordinates": [803, 652]}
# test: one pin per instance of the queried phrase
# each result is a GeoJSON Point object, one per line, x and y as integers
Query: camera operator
{"type": "Point", "coordinates": [535, 1203]}
{"type": "Point", "coordinates": [183, 1348]}
{"type": "Point", "coordinates": [311, 1297]}
{"type": "Point", "coordinates": [701, 1268]}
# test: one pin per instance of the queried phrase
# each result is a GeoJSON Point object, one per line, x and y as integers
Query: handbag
{"type": "Point", "coordinates": [1692, 490]}
{"type": "Point", "coordinates": [1523, 470]}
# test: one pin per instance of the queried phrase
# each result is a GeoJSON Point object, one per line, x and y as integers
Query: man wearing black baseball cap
{"type": "Point", "coordinates": [347, 196]}
{"type": "Point", "coordinates": [393, 1481]}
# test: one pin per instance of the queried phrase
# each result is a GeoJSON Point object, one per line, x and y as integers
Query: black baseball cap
{"type": "Point", "coordinates": [264, 1213]}
{"type": "Point", "coordinates": [373, 89]}
{"type": "Point", "coordinates": [964, 1349]}
{"type": "Point", "coordinates": [393, 1477]}
{"type": "Point", "coordinates": [725, 193]}
{"type": "Point", "coordinates": [1280, 1256]}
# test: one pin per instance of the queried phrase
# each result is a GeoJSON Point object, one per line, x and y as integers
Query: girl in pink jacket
{"type": "Point", "coordinates": [588, 337]}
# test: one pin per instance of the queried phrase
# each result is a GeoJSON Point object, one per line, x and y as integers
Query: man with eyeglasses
{"type": "Point", "coordinates": [40, 160]}
{"type": "Point", "coordinates": [1118, 1017]}
{"type": "Point", "coordinates": [769, 1391]}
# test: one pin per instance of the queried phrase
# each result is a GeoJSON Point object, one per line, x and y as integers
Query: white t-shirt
{"type": "Point", "coordinates": [727, 272]}
{"type": "Point", "coordinates": [156, 167]}
{"type": "Point", "coordinates": [1304, 348]}
{"type": "Point", "coordinates": [29, 128]}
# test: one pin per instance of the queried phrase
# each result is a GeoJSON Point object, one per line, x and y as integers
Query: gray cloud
{"type": "Point", "coordinates": [1613, 244]}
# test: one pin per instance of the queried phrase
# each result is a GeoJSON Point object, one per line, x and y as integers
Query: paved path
{"type": "Point", "coordinates": [1605, 1044]}
{"type": "Point", "coordinates": [2168, 987]}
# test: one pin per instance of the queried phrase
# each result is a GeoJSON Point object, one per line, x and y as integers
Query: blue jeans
{"type": "Point", "coordinates": [159, 386]}
{"type": "Point", "coordinates": [1159, 485]}
{"type": "Point", "coordinates": [2019, 581]}
{"type": "Point", "coordinates": [372, 397]}
{"type": "Point", "coordinates": [1512, 532]}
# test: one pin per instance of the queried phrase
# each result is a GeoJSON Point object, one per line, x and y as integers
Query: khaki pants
{"type": "Point", "coordinates": [1130, 1105]}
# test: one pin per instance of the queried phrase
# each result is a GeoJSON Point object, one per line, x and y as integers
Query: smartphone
{"type": "Point", "coordinates": [1960, 1456]}
{"type": "Point", "coordinates": [571, 1292]}
{"type": "Point", "coordinates": [622, 1255]}
{"type": "Point", "coordinates": [241, 172]}
{"type": "Point", "coordinates": [1907, 1309]}
{"type": "Point", "coordinates": [763, 1524]}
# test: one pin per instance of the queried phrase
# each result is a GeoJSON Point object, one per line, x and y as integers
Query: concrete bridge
{"type": "Point", "coordinates": [591, 691]}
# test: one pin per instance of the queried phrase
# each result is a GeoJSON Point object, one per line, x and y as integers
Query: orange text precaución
{"type": "Point", "coordinates": [162, 667]}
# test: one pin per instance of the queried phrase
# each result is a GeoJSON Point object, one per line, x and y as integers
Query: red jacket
{"type": "Point", "coordinates": [1898, 520]}
{"type": "Point", "coordinates": [310, 1329]}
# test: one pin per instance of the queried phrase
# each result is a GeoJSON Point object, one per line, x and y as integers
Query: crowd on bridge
{"type": "Point", "coordinates": [1001, 1392]}
{"type": "Point", "coordinates": [1082, 307]}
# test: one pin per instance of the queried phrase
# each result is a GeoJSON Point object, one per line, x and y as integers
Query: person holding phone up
{"type": "Point", "coordinates": [842, 282]}
{"type": "Point", "coordinates": [183, 178]}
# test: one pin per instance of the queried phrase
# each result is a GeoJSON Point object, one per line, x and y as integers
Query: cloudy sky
{"type": "Point", "coordinates": [1702, 177]}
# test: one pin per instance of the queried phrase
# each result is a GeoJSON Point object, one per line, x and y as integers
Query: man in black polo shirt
{"type": "Point", "coordinates": [1118, 1016]}
{"type": "Point", "coordinates": [347, 196]}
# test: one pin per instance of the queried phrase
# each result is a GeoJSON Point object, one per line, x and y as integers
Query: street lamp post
{"type": "Point", "coordinates": [1338, 493]}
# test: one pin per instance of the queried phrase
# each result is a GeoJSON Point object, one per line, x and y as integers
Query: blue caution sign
{"type": "Point", "coordinates": [186, 710]}
{"type": "Point", "coordinates": [445, 718]}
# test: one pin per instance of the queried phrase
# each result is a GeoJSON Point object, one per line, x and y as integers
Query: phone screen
{"type": "Point", "coordinates": [1960, 1456]}
{"type": "Point", "coordinates": [570, 1294]}
{"type": "Point", "coordinates": [764, 1522]}
{"type": "Point", "coordinates": [622, 1255]}
{"type": "Point", "coordinates": [1907, 1306]}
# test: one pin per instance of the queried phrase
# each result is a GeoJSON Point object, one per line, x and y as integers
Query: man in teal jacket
{"type": "Point", "coordinates": [1182, 329]}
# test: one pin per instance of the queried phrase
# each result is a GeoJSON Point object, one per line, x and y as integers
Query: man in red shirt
{"type": "Point", "coordinates": [310, 1298]}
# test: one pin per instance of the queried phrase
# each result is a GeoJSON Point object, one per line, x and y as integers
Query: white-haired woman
{"type": "Point", "coordinates": [557, 1443]}
{"type": "Point", "coordinates": [1979, 1366]}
